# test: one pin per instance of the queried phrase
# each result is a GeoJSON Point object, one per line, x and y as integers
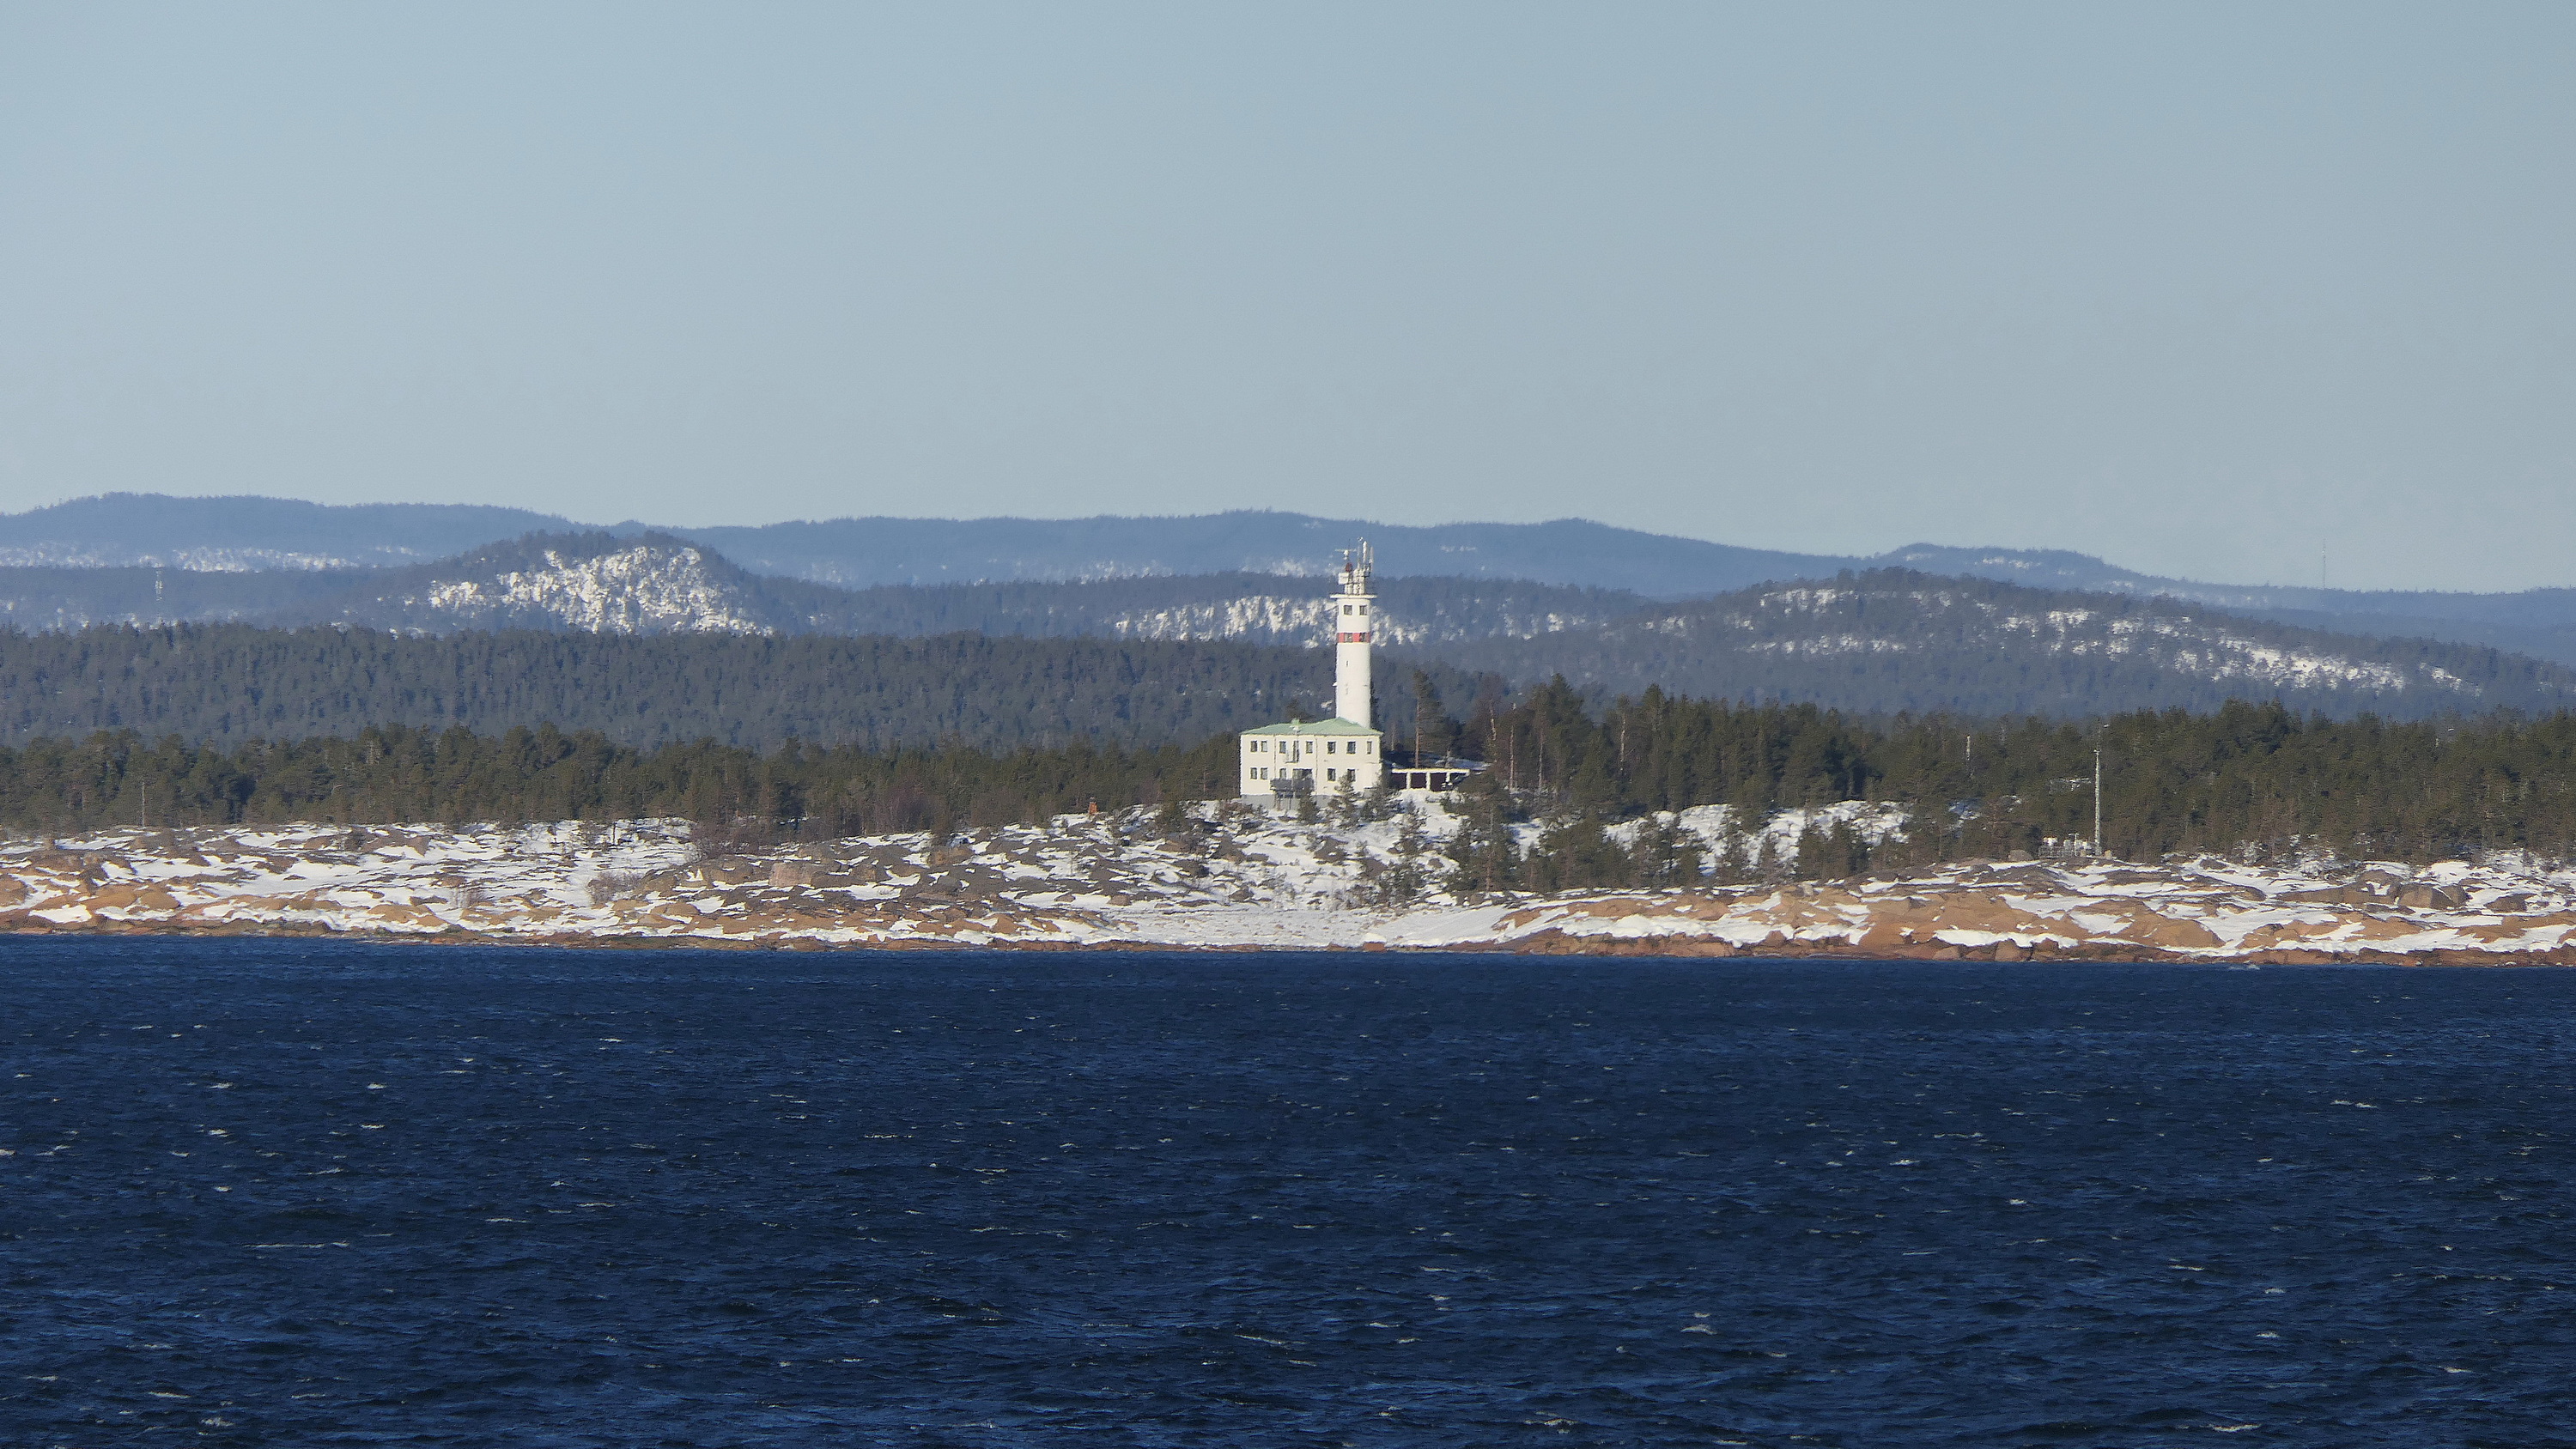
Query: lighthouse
{"type": "Point", "coordinates": [1295, 761]}
{"type": "Point", "coordinates": [1351, 628]}
{"type": "Point", "coordinates": [1337, 756]}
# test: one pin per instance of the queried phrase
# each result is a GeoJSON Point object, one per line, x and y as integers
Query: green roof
{"type": "Point", "coordinates": [1315, 727]}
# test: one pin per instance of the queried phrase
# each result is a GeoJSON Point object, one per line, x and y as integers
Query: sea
{"type": "Point", "coordinates": [327, 1193]}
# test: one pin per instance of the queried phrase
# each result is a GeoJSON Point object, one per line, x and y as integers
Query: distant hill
{"type": "Point", "coordinates": [130, 529]}
{"type": "Point", "coordinates": [2539, 622]}
{"type": "Point", "coordinates": [591, 583]}
{"type": "Point", "coordinates": [857, 552]}
{"type": "Point", "coordinates": [1893, 639]}
{"type": "Point", "coordinates": [56, 598]}
{"type": "Point", "coordinates": [123, 530]}
{"type": "Point", "coordinates": [144, 532]}
{"type": "Point", "coordinates": [659, 584]}
{"type": "Point", "coordinates": [1415, 612]}
{"type": "Point", "coordinates": [1881, 642]}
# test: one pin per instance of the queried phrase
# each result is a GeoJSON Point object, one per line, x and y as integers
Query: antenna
{"type": "Point", "coordinates": [1357, 564]}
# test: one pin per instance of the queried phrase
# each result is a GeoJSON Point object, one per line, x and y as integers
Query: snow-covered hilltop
{"type": "Point", "coordinates": [642, 589]}
{"type": "Point", "coordinates": [1231, 877]}
{"type": "Point", "coordinates": [1892, 639]}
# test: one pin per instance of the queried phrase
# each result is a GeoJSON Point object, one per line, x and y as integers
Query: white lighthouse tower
{"type": "Point", "coordinates": [1338, 756]}
{"type": "Point", "coordinates": [1352, 624]}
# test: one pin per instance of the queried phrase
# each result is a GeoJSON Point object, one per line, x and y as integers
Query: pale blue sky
{"type": "Point", "coordinates": [2199, 288]}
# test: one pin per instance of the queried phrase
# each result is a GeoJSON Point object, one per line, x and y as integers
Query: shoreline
{"type": "Point", "coordinates": [1235, 881]}
{"type": "Point", "coordinates": [1551, 943]}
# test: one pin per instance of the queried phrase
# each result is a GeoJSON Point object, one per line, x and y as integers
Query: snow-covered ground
{"type": "Point", "coordinates": [1236, 877]}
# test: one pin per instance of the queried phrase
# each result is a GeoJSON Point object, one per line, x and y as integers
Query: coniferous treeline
{"type": "Point", "coordinates": [232, 683]}
{"type": "Point", "coordinates": [2244, 775]}
{"type": "Point", "coordinates": [401, 774]}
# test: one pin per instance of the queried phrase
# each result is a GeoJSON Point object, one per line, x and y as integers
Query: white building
{"type": "Point", "coordinates": [1329, 756]}
{"type": "Point", "coordinates": [1318, 757]}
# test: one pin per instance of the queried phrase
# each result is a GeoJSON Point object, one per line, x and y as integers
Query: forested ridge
{"type": "Point", "coordinates": [404, 774]}
{"type": "Point", "coordinates": [2244, 776]}
{"type": "Point", "coordinates": [1882, 642]}
{"type": "Point", "coordinates": [1262, 608]}
{"type": "Point", "coordinates": [1892, 639]}
{"type": "Point", "coordinates": [233, 683]}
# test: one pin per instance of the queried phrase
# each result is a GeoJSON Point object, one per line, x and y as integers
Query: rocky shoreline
{"type": "Point", "coordinates": [1229, 879]}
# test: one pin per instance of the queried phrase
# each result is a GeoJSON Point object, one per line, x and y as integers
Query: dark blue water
{"type": "Point", "coordinates": [270, 1193]}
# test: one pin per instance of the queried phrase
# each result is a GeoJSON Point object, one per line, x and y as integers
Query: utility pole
{"type": "Point", "coordinates": [2097, 801]}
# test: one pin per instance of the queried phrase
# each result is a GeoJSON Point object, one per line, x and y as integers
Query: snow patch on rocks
{"type": "Point", "coordinates": [1229, 876]}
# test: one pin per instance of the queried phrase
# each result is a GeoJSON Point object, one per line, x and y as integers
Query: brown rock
{"type": "Point", "coordinates": [1884, 937]}
{"type": "Point", "coordinates": [2174, 933]}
